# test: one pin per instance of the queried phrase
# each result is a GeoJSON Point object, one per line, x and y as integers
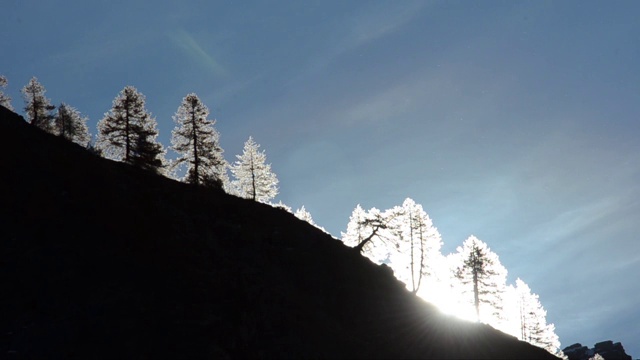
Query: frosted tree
{"type": "Point", "coordinates": [71, 125]}
{"type": "Point", "coordinates": [253, 178]}
{"type": "Point", "coordinates": [283, 206]}
{"type": "Point", "coordinates": [128, 132]}
{"type": "Point", "coordinates": [371, 233]}
{"type": "Point", "coordinates": [533, 320]}
{"type": "Point", "coordinates": [419, 244]}
{"type": "Point", "coordinates": [357, 227]}
{"type": "Point", "coordinates": [198, 144]}
{"type": "Point", "coordinates": [482, 279]}
{"type": "Point", "coordinates": [37, 106]}
{"type": "Point", "coordinates": [305, 215]}
{"type": "Point", "coordinates": [5, 100]}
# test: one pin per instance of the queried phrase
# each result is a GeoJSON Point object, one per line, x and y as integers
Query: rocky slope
{"type": "Point", "coordinates": [99, 260]}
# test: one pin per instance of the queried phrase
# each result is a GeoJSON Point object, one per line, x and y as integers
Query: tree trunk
{"type": "Point", "coordinates": [127, 135]}
{"type": "Point", "coordinates": [413, 270]}
{"type": "Point", "coordinates": [422, 265]}
{"type": "Point", "coordinates": [362, 243]}
{"type": "Point", "coordinates": [196, 161]}
{"type": "Point", "coordinates": [476, 296]}
{"type": "Point", "coordinates": [253, 179]}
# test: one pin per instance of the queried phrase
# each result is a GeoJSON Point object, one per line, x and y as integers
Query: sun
{"type": "Point", "coordinates": [450, 302]}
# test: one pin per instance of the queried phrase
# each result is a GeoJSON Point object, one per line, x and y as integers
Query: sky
{"type": "Point", "coordinates": [514, 121]}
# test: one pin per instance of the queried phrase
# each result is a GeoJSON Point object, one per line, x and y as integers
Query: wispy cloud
{"type": "Point", "coordinates": [571, 223]}
{"type": "Point", "coordinates": [194, 50]}
{"type": "Point", "coordinates": [365, 27]}
{"type": "Point", "coordinates": [380, 21]}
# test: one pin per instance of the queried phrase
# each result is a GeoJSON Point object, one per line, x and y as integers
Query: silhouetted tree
{"type": "Point", "coordinates": [69, 124]}
{"type": "Point", "coordinates": [37, 106]}
{"type": "Point", "coordinates": [5, 100]}
{"type": "Point", "coordinates": [253, 178]}
{"type": "Point", "coordinates": [148, 153]}
{"type": "Point", "coordinates": [403, 237]}
{"type": "Point", "coordinates": [481, 274]}
{"type": "Point", "coordinates": [371, 233]}
{"type": "Point", "coordinates": [128, 132]}
{"type": "Point", "coordinates": [198, 143]}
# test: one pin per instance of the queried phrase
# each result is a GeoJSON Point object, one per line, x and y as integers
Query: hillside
{"type": "Point", "coordinates": [99, 260]}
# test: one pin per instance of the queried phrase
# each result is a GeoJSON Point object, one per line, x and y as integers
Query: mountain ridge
{"type": "Point", "coordinates": [105, 260]}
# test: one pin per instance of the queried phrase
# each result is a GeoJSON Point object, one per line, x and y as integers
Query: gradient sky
{"type": "Point", "coordinates": [515, 121]}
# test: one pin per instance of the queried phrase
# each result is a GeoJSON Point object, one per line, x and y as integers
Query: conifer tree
{"type": "Point", "coordinates": [483, 277]}
{"type": "Point", "coordinates": [419, 244]}
{"type": "Point", "coordinates": [370, 233]}
{"type": "Point", "coordinates": [128, 132]}
{"type": "Point", "coordinates": [253, 178]}
{"type": "Point", "coordinates": [198, 143]}
{"type": "Point", "coordinates": [69, 124]}
{"type": "Point", "coordinates": [533, 320]}
{"type": "Point", "coordinates": [5, 100]}
{"type": "Point", "coordinates": [305, 215]}
{"type": "Point", "coordinates": [148, 153]}
{"type": "Point", "coordinates": [357, 229]}
{"type": "Point", "coordinates": [37, 106]}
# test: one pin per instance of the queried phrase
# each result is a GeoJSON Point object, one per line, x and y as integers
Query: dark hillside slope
{"type": "Point", "coordinates": [99, 260]}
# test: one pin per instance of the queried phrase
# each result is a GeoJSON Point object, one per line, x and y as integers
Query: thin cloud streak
{"type": "Point", "coordinates": [194, 50]}
{"type": "Point", "coordinates": [364, 28]}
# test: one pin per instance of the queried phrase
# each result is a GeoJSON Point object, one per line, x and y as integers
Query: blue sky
{"type": "Point", "coordinates": [515, 121]}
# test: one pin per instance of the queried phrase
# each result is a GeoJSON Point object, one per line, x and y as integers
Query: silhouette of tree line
{"type": "Point", "coordinates": [128, 133]}
{"type": "Point", "coordinates": [403, 237]}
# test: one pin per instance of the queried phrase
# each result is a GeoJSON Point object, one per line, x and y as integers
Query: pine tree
{"type": "Point", "coordinates": [357, 229]}
{"type": "Point", "coordinates": [128, 132]}
{"type": "Point", "coordinates": [303, 214]}
{"type": "Point", "coordinates": [533, 320]}
{"type": "Point", "coordinates": [370, 233]}
{"type": "Point", "coordinates": [148, 153]}
{"type": "Point", "coordinates": [195, 138]}
{"type": "Point", "coordinates": [37, 106]}
{"type": "Point", "coordinates": [253, 179]}
{"type": "Point", "coordinates": [69, 124]}
{"type": "Point", "coordinates": [5, 100]}
{"type": "Point", "coordinates": [419, 244]}
{"type": "Point", "coordinates": [481, 275]}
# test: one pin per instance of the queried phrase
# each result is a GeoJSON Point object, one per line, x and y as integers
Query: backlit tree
{"type": "Point", "coordinates": [37, 106]}
{"type": "Point", "coordinates": [305, 215]}
{"type": "Point", "coordinates": [5, 100]}
{"type": "Point", "coordinates": [370, 233]}
{"type": "Point", "coordinates": [69, 124]}
{"type": "Point", "coordinates": [128, 132]}
{"type": "Point", "coordinates": [253, 178]}
{"type": "Point", "coordinates": [198, 144]}
{"type": "Point", "coordinates": [148, 153]}
{"type": "Point", "coordinates": [533, 320]}
{"type": "Point", "coordinates": [419, 244]}
{"type": "Point", "coordinates": [482, 279]}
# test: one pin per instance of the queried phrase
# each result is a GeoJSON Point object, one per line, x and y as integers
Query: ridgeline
{"type": "Point", "coordinates": [101, 260]}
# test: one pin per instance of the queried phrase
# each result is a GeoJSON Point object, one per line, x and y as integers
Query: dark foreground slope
{"type": "Point", "coordinates": [101, 261]}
